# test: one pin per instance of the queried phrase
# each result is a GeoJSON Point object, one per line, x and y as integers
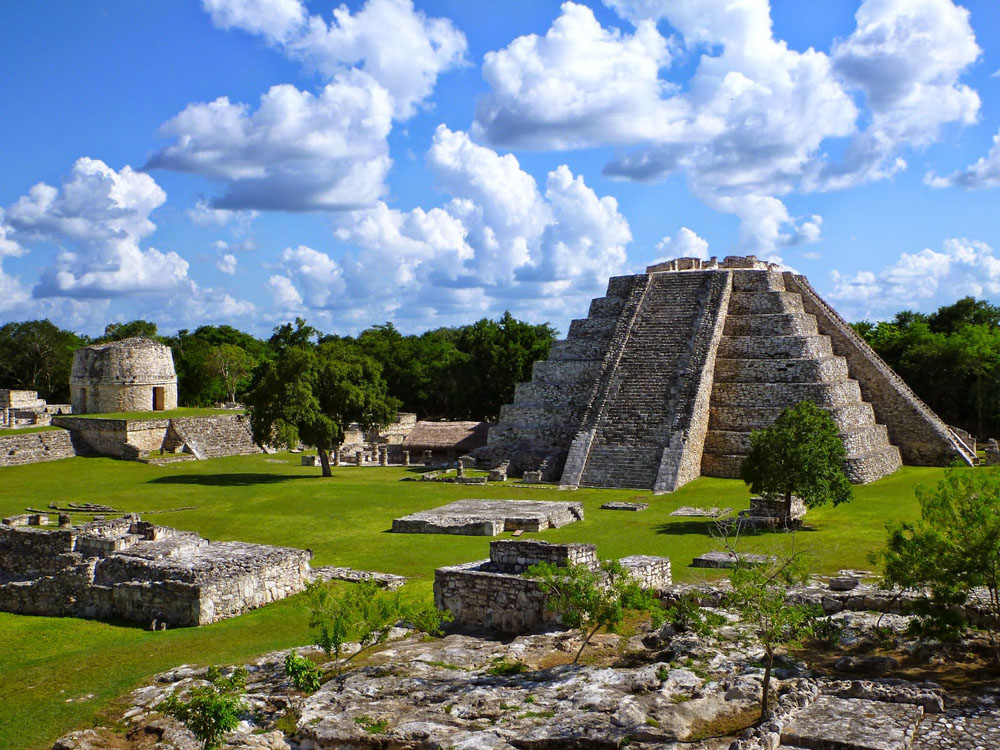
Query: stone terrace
{"type": "Point", "coordinates": [138, 571]}
{"type": "Point", "coordinates": [489, 517]}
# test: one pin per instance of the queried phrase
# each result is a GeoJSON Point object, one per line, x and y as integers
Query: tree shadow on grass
{"type": "Point", "coordinates": [246, 479]}
{"type": "Point", "coordinates": [709, 527]}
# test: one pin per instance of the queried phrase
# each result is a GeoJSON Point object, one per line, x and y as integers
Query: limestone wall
{"type": "Point", "coordinates": [480, 598]}
{"type": "Point", "coordinates": [119, 438]}
{"type": "Point", "coordinates": [13, 399]}
{"type": "Point", "coordinates": [224, 435]}
{"type": "Point", "coordinates": [511, 556]}
{"type": "Point", "coordinates": [130, 375]}
{"type": "Point", "coordinates": [33, 447]}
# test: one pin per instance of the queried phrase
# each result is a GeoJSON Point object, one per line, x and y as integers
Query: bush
{"type": "Point", "coordinates": [212, 710]}
{"type": "Point", "coordinates": [304, 674]}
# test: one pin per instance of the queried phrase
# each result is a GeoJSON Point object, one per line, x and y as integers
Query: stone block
{"type": "Point", "coordinates": [853, 724]}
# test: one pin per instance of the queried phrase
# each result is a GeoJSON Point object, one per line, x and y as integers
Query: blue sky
{"type": "Point", "coordinates": [247, 161]}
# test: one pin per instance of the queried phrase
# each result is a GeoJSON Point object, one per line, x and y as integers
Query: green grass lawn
{"type": "Point", "coordinates": [22, 430]}
{"type": "Point", "coordinates": [48, 664]}
{"type": "Point", "coordinates": [184, 411]}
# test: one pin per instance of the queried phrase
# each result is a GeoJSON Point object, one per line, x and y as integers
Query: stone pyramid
{"type": "Point", "coordinates": [672, 370]}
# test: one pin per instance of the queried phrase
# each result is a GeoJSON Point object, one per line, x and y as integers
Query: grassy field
{"type": "Point", "coordinates": [22, 430]}
{"type": "Point", "coordinates": [61, 672]}
{"type": "Point", "coordinates": [184, 411]}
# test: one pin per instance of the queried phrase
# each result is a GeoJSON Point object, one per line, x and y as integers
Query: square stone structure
{"type": "Point", "coordinates": [489, 517]}
{"type": "Point", "coordinates": [672, 370]}
{"type": "Point", "coordinates": [494, 594]}
{"type": "Point", "coordinates": [855, 724]}
{"type": "Point", "coordinates": [138, 571]}
{"type": "Point", "coordinates": [129, 375]}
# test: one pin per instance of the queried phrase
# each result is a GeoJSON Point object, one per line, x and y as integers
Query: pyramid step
{"type": "Point", "coordinates": [752, 303]}
{"type": "Point", "coordinates": [857, 441]}
{"type": "Point", "coordinates": [748, 418]}
{"type": "Point", "coordinates": [774, 347]}
{"type": "Point", "coordinates": [759, 281]}
{"type": "Point", "coordinates": [797, 370]}
{"type": "Point", "coordinates": [775, 324]}
{"type": "Point", "coordinates": [828, 395]}
{"type": "Point", "coordinates": [867, 467]}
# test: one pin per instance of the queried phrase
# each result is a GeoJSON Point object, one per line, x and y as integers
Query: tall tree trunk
{"type": "Point", "coordinates": [324, 459]}
{"type": "Point", "coordinates": [765, 709]}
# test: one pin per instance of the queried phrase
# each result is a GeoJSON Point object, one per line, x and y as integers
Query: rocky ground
{"type": "Point", "coordinates": [652, 690]}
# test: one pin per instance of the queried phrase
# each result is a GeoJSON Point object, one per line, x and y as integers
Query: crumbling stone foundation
{"type": "Point", "coordinates": [138, 571]}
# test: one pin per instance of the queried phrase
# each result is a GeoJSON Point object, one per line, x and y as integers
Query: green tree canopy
{"type": "Point", "coordinates": [37, 356]}
{"type": "Point", "coordinates": [800, 454]}
{"type": "Point", "coordinates": [133, 329]}
{"type": "Point", "coordinates": [311, 393]}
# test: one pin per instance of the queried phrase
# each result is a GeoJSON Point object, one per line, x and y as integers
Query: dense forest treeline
{"type": "Point", "coordinates": [950, 357]}
{"type": "Point", "coordinates": [465, 372]}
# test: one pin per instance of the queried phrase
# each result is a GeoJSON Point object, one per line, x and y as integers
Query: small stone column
{"type": "Point", "coordinates": [406, 458]}
{"type": "Point", "coordinates": [428, 457]}
{"type": "Point", "coordinates": [336, 457]}
{"type": "Point", "coordinates": [461, 468]}
{"type": "Point", "coordinates": [359, 458]}
{"type": "Point", "coordinates": [65, 521]}
{"type": "Point", "coordinates": [383, 456]}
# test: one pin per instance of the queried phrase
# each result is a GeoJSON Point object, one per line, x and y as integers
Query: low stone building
{"type": "Point", "coordinates": [495, 594]}
{"type": "Point", "coordinates": [445, 441]}
{"type": "Point", "coordinates": [20, 408]}
{"type": "Point", "coordinates": [138, 571]}
{"type": "Point", "coordinates": [123, 376]}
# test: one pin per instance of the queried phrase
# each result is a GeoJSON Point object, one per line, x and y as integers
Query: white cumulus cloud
{"type": "Point", "coordinates": [499, 240]}
{"type": "Point", "coordinates": [985, 173]}
{"type": "Point", "coordinates": [399, 47]}
{"type": "Point", "coordinates": [296, 152]}
{"type": "Point", "coordinates": [923, 280]}
{"type": "Point", "coordinates": [684, 244]}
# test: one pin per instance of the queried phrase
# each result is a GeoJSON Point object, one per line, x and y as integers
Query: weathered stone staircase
{"type": "Point", "coordinates": [771, 356]}
{"type": "Point", "coordinates": [631, 420]}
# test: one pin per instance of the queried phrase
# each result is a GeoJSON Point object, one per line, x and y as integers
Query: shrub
{"type": "Point", "coordinates": [212, 710]}
{"type": "Point", "coordinates": [304, 674]}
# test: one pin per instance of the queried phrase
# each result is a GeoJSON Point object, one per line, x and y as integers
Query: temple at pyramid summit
{"type": "Point", "coordinates": [672, 369]}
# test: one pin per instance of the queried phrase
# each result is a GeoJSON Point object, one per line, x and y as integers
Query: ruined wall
{"type": "Point", "coordinates": [224, 435]}
{"type": "Point", "coordinates": [134, 570]}
{"type": "Point", "coordinates": [33, 447]}
{"type": "Point", "coordinates": [495, 595]}
{"type": "Point", "coordinates": [118, 438]}
{"type": "Point", "coordinates": [14, 399]}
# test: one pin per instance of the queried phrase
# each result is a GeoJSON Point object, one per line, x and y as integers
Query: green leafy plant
{"type": "Point", "coordinates": [687, 615]}
{"type": "Point", "coordinates": [365, 614]}
{"type": "Point", "coordinates": [304, 674]}
{"type": "Point", "coordinates": [370, 725]}
{"type": "Point", "coordinates": [590, 599]}
{"type": "Point", "coordinates": [210, 711]}
{"type": "Point", "coordinates": [953, 550]}
{"type": "Point", "coordinates": [800, 454]}
{"type": "Point", "coordinates": [503, 668]}
{"type": "Point", "coordinates": [759, 593]}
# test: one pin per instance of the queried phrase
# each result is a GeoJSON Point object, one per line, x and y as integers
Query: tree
{"type": "Point", "coordinates": [800, 454]}
{"type": "Point", "coordinates": [210, 711]}
{"type": "Point", "coordinates": [363, 613]}
{"type": "Point", "coordinates": [589, 599]}
{"type": "Point", "coordinates": [953, 550]}
{"type": "Point", "coordinates": [758, 596]}
{"type": "Point", "coordinates": [231, 364]}
{"type": "Point", "coordinates": [311, 393]}
{"type": "Point", "coordinates": [36, 355]}
{"type": "Point", "coordinates": [132, 329]}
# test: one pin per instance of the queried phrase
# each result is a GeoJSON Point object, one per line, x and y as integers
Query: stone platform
{"type": "Point", "coordinates": [138, 571]}
{"type": "Point", "coordinates": [853, 724]}
{"type": "Point", "coordinates": [489, 517]}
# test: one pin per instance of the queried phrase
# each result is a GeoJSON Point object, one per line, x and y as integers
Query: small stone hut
{"type": "Point", "coordinates": [445, 440]}
{"type": "Point", "coordinates": [130, 375]}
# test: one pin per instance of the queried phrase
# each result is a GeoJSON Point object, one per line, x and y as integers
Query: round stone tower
{"type": "Point", "coordinates": [129, 375]}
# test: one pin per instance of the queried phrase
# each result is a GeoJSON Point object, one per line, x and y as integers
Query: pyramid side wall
{"type": "Point", "coordinates": [922, 437]}
{"type": "Point", "coordinates": [547, 412]}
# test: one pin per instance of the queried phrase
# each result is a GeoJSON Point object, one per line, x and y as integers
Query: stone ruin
{"type": "Point", "coordinates": [673, 369]}
{"type": "Point", "coordinates": [495, 594]}
{"type": "Point", "coordinates": [135, 570]}
{"type": "Point", "coordinates": [25, 409]}
{"type": "Point", "coordinates": [129, 375]}
{"type": "Point", "coordinates": [489, 517]}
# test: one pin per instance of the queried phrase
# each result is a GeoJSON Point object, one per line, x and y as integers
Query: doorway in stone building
{"type": "Point", "coordinates": [158, 398]}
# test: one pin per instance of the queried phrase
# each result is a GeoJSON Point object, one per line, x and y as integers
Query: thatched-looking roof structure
{"type": "Point", "coordinates": [461, 437]}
